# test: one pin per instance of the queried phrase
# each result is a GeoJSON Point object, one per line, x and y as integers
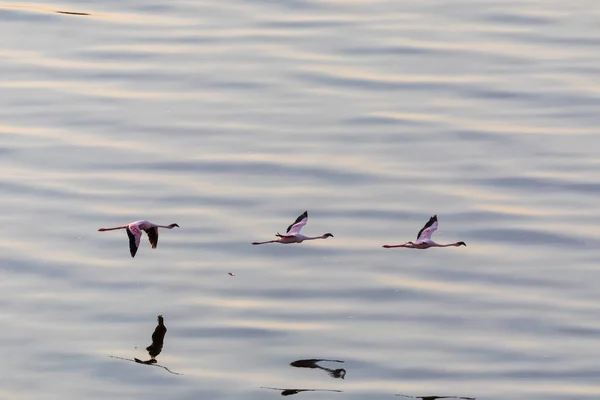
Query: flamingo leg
{"type": "Point", "coordinates": [112, 229]}
{"type": "Point", "coordinates": [270, 241]}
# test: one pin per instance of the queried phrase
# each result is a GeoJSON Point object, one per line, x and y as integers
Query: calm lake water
{"type": "Point", "coordinates": [233, 117]}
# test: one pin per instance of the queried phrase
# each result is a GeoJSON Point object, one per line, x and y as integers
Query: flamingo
{"type": "Point", "coordinates": [134, 231]}
{"type": "Point", "coordinates": [424, 238]}
{"type": "Point", "coordinates": [292, 234]}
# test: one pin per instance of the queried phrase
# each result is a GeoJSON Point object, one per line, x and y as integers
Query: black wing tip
{"type": "Point", "coordinates": [132, 247]}
{"type": "Point", "coordinates": [300, 218]}
{"type": "Point", "coordinates": [431, 221]}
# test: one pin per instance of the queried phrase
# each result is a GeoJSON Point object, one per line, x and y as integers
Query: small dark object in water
{"type": "Point", "coordinates": [289, 392]}
{"type": "Point", "coordinates": [72, 13]}
{"type": "Point", "coordinates": [436, 397]}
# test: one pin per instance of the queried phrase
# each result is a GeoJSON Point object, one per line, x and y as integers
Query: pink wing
{"type": "Point", "coordinates": [428, 229]}
{"type": "Point", "coordinates": [134, 234]}
{"type": "Point", "coordinates": [295, 228]}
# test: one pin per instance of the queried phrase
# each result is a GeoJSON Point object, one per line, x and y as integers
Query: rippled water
{"type": "Point", "coordinates": [233, 117]}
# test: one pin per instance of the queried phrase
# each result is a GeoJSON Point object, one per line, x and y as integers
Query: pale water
{"type": "Point", "coordinates": [233, 117]}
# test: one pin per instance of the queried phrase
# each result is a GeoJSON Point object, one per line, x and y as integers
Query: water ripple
{"type": "Point", "coordinates": [231, 118]}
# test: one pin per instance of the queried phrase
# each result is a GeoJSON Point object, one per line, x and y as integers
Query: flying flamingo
{"type": "Point", "coordinates": [134, 231]}
{"type": "Point", "coordinates": [424, 238]}
{"type": "Point", "coordinates": [292, 234]}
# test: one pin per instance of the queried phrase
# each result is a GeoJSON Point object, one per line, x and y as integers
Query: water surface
{"type": "Point", "coordinates": [231, 119]}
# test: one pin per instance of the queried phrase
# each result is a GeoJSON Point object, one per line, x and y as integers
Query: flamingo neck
{"type": "Point", "coordinates": [163, 226]}
{"type": "Point", "coordinates": [444, 245]}
{"type": "Point", "coordinates": [313, 237]}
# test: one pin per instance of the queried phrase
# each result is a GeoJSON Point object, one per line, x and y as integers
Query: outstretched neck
{"type": "Point", "coordinates": [325, 236]}
{"type": "Point", "coordinates": [449, 244]}
{"type": "Point", "coordinates": [168, 226]}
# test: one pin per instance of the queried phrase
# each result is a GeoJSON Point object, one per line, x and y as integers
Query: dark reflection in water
{"type": "Point", "coordinates": [148, 362]}
{"type": "Point", "coordinates": [436, 397]}
{"type": "Point", "coordinates": [158, 339]}
{"type": "Point", "coordinates": [72, 13]}
{"type": "Point", "coordinates": [289, 392]}
{"type": "Point", "coordinates": [312, 363]}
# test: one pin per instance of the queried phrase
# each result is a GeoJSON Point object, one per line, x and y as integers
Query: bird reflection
{"type": "Point", "coordinates": [312, 363]}
{"type": "Point", "coordinates": [158, 340]}
{"type": "Point", "coordinates": [436, 397]}
{"type": "Point", "coordinates": [289, 392]}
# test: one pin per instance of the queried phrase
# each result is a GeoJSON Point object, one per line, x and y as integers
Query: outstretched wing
{"type": "Point", "coordinates": [294, 228]}
{"type": "Point", "coordinates": [134, 241]}
{"type": "Point", "coordinates": [312, 363]}
{"type": "Point", "coordinates": [428, 229]}
{"type": "Point", "coordinates": [153, 236]}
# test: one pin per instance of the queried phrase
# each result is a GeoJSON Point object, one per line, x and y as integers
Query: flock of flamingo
{"type": "Point", "coordinates": [292, 234]}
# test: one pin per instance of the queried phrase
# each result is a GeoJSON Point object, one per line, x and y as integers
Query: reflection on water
{"type": "Point", "coordinates": [158, 338]}
{"type": "Point", "coordinates": [437, 397]}
{"type": "Point", "coordinates": [72, 13]}
{"type": "Point", "coordinates": [289, 392]}
{"type": "Point", "coordinates": [312, 363]}
{"type": "Point", "coordinates": [233, 117]}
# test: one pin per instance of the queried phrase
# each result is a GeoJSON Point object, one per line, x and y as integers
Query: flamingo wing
{"type": "Point", "coordinates": [312, 363]}
{"type": "Point", "coordinates": [295, 228]}
{"type": "Point", "coordinates": [430, 227]}
{"type": "Point", "coordinates": [134, 241]}
{"type": "Point", "coordinates": [152, 236]}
